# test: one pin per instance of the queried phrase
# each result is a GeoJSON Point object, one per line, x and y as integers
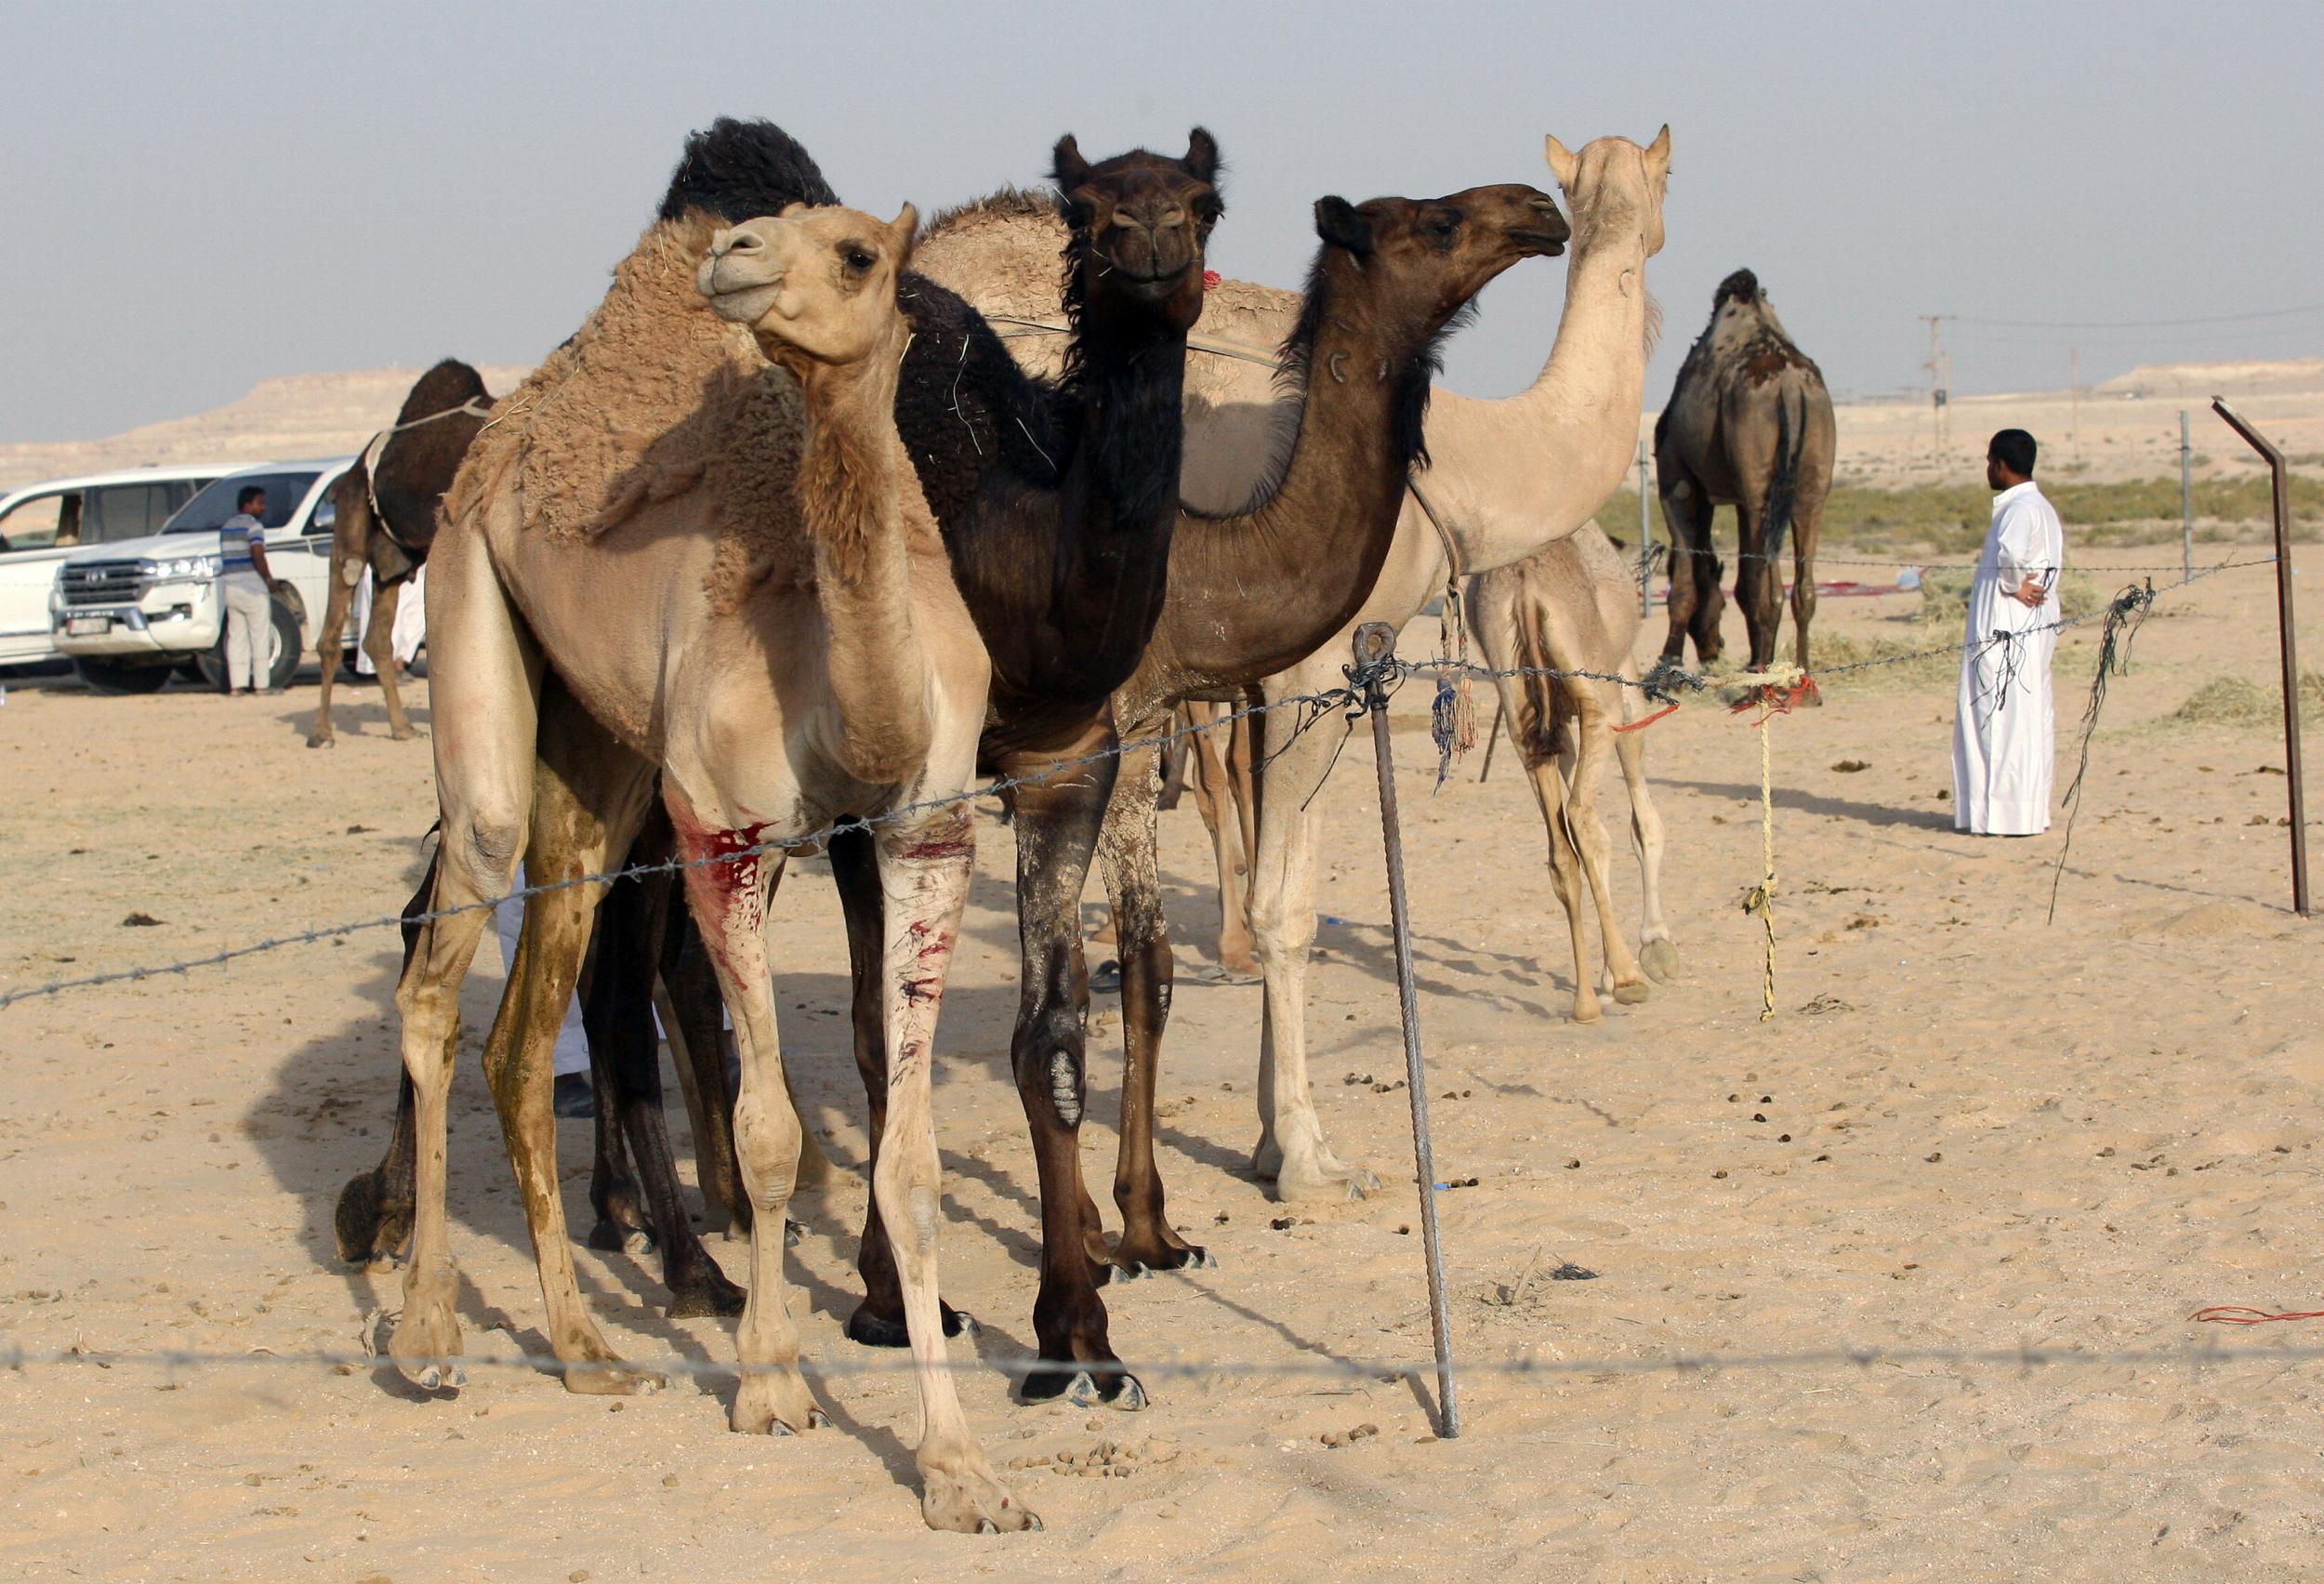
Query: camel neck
{"type": "Point", "coordinates": [857, 493]}
{"type": "Point", "coordinates": [1254, 591]}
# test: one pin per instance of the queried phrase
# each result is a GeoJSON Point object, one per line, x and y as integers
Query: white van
{"type": "Point", "coordinates": [129, 614]}
{"type": "Point", "coordinates": [41, 524]}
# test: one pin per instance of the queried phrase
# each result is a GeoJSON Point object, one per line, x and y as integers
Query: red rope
{"type": "Point", "coordinates": [1647, 720]}
{"type": "Point", "coordinates": [2236, 1314]}
{"type": "Point", "coordinates": [1775, 700]}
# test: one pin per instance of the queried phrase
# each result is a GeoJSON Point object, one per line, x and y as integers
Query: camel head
{"type": "Point", "coordinates": [1614, 186]}
{"type": "Point", "coordinates": [815, 285]}
{"type": "Point", "coordinates": [1431, 255]}
{"type": "Point", "coordinates": [1140, 221]}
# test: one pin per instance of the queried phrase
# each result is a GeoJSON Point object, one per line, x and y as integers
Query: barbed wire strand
{"type": "Point", "coordinates": [1656, 685]}
{"type": "Point", "coordinates": [13, 1356]}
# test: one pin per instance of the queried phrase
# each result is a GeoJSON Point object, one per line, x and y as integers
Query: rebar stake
{"type": "Point", "coordinates": [1376, 644]}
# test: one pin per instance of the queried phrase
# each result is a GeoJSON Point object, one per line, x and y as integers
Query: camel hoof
{"type": "Point", "coordinates": [874, 1331]}
{"type": "Point", "coordinates": [322, 742]}
{"type": "Point", "coordinates": [1333, 1181]}
{"type": "Point", "coordinates": [972, 1502]}
{"type": "Point", "coordinates": [1588, 1012]}
{"type": "Point", "coordinates": [774, 1401]}
{"type": "Point", "coordinates": [434, 1378]}
{"type": "Point", "coordinates": [596, 1378]}
{"type": "Point", "coordinates": [712, 1294]}
{"type": "Point", "coordinates": [409, 734]}
{"type": "Point", "coordinates": [792, 1233]}
{"type": "Point", "coordinates": [1660, 960]}
{"type": "Point", "coordinates": [639, 1243]}
{"type": "Point", "coordinates": [1630, 995]}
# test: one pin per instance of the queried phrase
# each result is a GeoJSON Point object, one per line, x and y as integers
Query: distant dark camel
{"type": "Point", "coordinates": [403, 474]}
{"type": "Point", "coordinates": [1749, 425]}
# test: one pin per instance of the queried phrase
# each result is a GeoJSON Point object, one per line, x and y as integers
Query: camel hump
{"type": "Point", "coordinates": [1741, 286]}
{"type": "Point", "coordinates": [738, 170]}
{"type": "Point", "coordinates": [450, 384]}
{"type": "Point", "coordinates": [1004, 203]}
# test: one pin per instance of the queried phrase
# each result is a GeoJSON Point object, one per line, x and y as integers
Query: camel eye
{"type": "Point", "coordinates": [857, 261]}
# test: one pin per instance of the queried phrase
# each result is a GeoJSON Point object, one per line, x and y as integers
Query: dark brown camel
{"type": "Point", "coordinates": [1749, 425]}
{"type": "Point", "coordinates": [405, 472]}
{"type": "Point", "coordinates": [1057, 503]}
{"type": "Point", "coordinates": [1254, 594]}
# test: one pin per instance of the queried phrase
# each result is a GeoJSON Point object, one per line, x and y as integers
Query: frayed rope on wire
{"type": "Point", "coordinates": [2124, 612]}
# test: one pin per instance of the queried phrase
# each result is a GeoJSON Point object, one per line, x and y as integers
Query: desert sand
{"type": "Point", "coordinates": [1967, 1129]}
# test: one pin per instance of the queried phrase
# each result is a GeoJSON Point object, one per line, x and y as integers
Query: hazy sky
{"type": "Point", "coordinates": [203, 196]}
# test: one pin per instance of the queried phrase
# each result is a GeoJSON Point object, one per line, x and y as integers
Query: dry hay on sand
{"type": "Point", "coordinates": [2243, 701]}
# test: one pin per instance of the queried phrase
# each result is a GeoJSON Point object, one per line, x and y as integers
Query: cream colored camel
{"type": "Point", "coordinates": [1507, 478]}
{"type": "Point", "coordinates": [1574, 607]}
{"type": "Point", "coordinates": [728, 574]}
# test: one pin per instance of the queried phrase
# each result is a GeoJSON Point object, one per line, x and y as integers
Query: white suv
{"type": "Point", "coordinates": [129, 614]}
{"type": "Point", "coordinates": [41, 524]}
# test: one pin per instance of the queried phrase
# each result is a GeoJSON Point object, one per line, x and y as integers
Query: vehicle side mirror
{"type": "Point", "coordinates": [326, 517]}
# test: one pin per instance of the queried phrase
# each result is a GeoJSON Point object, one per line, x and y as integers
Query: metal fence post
{"type": "Point", "coordinates": [1645, 540]}
{"type": "Point", "coordinates": [1376, 643]}
{"type": "Point", "coordinates": [2187, 503]}
{"type": "Point", "coordinates": [2292, 777]}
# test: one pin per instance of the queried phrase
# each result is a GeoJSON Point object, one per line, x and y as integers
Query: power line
{"type": "Point", "coordinates": [2135, 323]}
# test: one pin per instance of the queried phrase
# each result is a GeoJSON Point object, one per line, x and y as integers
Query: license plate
{"type": "Point", "coordinates": [87, 626]}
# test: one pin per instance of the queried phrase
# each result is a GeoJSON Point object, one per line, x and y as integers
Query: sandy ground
{"type": "Point", "coordinates": [1967, 1129]}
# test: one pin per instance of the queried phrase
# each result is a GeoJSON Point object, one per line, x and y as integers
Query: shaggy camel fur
{"type": "Point", "coordinates": [752, 600]}
{"type": "Point", "coordinates": [1575, 607]}
{"type": "Point", "coordinates": [1749, 425]}
{"type": "Point", "coordinates": [1504, 478]}
{"type": "Point", "coordinates": [405, 472]}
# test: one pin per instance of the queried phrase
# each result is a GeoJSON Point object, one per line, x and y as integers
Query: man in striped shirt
{"type": "Point", "coordinates": [245, 582]}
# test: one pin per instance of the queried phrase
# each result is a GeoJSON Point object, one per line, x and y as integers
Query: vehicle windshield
{"type": "Point", "coordinates": [208, 512]}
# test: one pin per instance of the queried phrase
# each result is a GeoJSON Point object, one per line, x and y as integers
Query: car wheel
{"type": "Point", "coordinates": [113, 677]}
{"type": "Point", "coordinates": [282, 652]}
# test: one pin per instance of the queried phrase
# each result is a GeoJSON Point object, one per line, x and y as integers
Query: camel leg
{"type": "Point", "coordinates": [347, 571]}
{"type": "Point", "coordinates": [379, 644]}
{"type": "Point", "coordinates": [730, 903]}
{"type": "Point", "coordinates": [923, 878]}
{"type": "Point", "coordinates": [1057, 832]}
{"type": "Point", "coordinates": [372, 1220]}
{"type": "Point", "coordinates": [1807, 526]}
{"type": "Point", "coordinates": [879, 1320]}
{"type": "Point", "coordinates": [1549, 792]}
{"type": "Point", "coordinates": [483, 779]}
{"type": "Point", "coordinates": [1216, 797]}
{"type": "Point", "coordinates": [588, 796]}
{"type": "Point", "coordinates": [1125, 849]}
{"type": "Point", "coordinates": [623, 1224]}
{"type": "Point", "coordinates": [695, 1023]}
{"type": "Point", "coordinates": [1588, 831]}
{"type": "Point", "coordinates": [1758, 576]}
{"type": "Point", "coordinates": [1697, 601]}
{"type": "Point", "coordinates": [1658, 948]}
{"type": "Point", "coordinates": [619, 1015]}
{"type": "Point", "coordinates": [1291, 1149]}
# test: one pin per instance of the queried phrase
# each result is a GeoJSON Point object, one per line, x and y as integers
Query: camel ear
{"type": "Point", "coordinates": [1563, 164]}
{"type": "Point", "coordinates": [789, 209]}
{"type": "Point", "coordinates": [1067, 168]}
{"type": "Point", "coordinates": [903, 231]}
{"type": "Point", "coordinates": [1659, 154]}
{"type": "Point", "coordinates": [1342, 224]}
{"type": "Point", "coordinates": [1202, 157]}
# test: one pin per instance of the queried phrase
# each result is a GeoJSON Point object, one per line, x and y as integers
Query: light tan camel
{"type": "Point", "coordinates": [1507, 478]}
{"type": "Point", "coordinates": [731, 573]}
{"type": "Point", "coordinates": [1749, 425]}
{"type": "Point", "coordinates": [1574, 607]}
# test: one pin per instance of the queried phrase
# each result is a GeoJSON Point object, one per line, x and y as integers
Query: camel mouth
{"type": "Point", "coordinates": [743, 304]}
{"type": "Point", "coordinates": [1548, 243]}
{"type": "Point", "coordinates": [1159, 283]}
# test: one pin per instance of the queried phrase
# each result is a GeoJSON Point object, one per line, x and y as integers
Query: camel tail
{"type": "Point", "coordinates": [1537, 725]}
{"type": "Point", "coordinates": [1783, 484]}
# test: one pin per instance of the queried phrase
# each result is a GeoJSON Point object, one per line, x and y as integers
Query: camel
{"type": "Point", "coordinates": [1503, 480]}
{"type": "Point", "coordinates": [1749, 425]}
{"type": "Point", "coordinates": [754, 601]}
{"type": "Point", "coordinates": [386, 507]}
{"type": "Point", "coordinates": [1574, 607]}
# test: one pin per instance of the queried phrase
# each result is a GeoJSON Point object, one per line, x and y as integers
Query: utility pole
{"type": "Point", "coordinates": [1940, 378]}
{"type": "Point", "coordinates": [2074, 397]}
{"type": "Point", "coordinates": [2187, 502]}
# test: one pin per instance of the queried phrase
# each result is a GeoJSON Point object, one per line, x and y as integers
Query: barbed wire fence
{"type": "Point", "coordinates": [1661, 684]}
{"type": "Point", "coordinates": [1370, 682]}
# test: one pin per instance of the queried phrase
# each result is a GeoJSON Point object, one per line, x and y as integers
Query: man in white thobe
{"type": "Point", "coordinates": [2004, 728]}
